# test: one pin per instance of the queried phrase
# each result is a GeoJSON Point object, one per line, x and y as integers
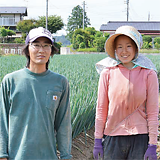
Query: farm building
{"type": "Point", "coordinates": [151, 28]}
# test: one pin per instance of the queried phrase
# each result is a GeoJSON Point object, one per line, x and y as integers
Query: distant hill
{"type": "Point", "coordinates": [65, 42]}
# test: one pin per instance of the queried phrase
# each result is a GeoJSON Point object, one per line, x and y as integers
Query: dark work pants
{"type": "Point", "coordinates": [125, 147]}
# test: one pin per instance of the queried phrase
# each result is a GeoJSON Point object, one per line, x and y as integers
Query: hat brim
{"type": "Point", "coordinates": [110, 45]}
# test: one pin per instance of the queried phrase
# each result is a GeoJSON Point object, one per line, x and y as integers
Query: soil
{"type": "Point", "coordinates": [82, 146]}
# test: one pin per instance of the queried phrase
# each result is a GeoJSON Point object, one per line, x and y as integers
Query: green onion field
{"type": "Point", "coordinates": [83, 79]}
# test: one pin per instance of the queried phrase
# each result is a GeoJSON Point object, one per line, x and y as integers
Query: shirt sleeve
{"type": "Point", "coordinates": [63, 124]}
{"type": "Point", "coordinates": [152, 108]}
{"type": "Point", "coordinates": [102, 104]}
{"type": "Point", "coordinates": [4, 112]}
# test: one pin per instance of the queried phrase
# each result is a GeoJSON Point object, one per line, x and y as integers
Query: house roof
{"type": "Point", "coordinates": [144, 26]}
{"type": "Point", "coordinates": [13, 10]}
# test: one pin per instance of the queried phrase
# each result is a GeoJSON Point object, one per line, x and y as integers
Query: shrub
{"type": "Point", "coordinates": [147, 39]}
{"type": "Point", "coordinates": [79, 38]}
{"type": "Point", "coordinates": [99, 44]}
{"type": "Point", "coordinates": [147, 45]}
{"type": "Point", "coordinates": [157, 45]}
{"type": "Point", "coordinates": [82, 45]}
{"type": "Point", "coordinates": [87, 50]}
{"type": "Point", "coordinates": [19, 40]}
{"type": "Point", "coordinates": [157, 40]}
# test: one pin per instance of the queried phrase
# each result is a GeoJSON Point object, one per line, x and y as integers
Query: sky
{"type": "Point", "coordinates": [98, 11]}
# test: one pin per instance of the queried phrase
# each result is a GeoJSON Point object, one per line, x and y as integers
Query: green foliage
{"type": "Point", "coordinates": [87, 50]}
{"type": "Point", "coordinates": [147, 39]}
{"type": "Point", "coordinates": [157, 45]}
{"type": "Point", "coordinates": [79, 36]}
{"type": "Point", "coordinates": [26, 25]}
{"type": "Point", "coordinates": [80, 72]}
{"type": "Point", "coordinates": [98, 34]}
{"type": "Point", "coordinates": [6, 32]}
{"type": "Point", "coordinates": [149, 51]}
{"type": "Point", "coordinates": [75, 21]}
{"type": "Point", "coordinates": [10, 32]}
{"type": "Point", "coordinates": [83, 78]}
{"type": "Point", "coordinates": [90, 37]}
{"type": "Point", "coordinates": [19, 40]}
{"type": "Point", "coordinates": [55, 23]}
{"type": "Point", "coordinates": [58, 45]}
{"type": "Point", "coordinates": [91, 30]}
{"type": "Point", "coordinates": [99, 44]}
{"type": "Point", "coordinates": [106, 35]}
{"type": "Point", "coordinates": [157, 40]}
{"type": "Point", "coordinates": [82, 45]}
{"type": "Point", "coordinates": [147, 45]}
{"type": "Point", "coordinates": [3, 32]}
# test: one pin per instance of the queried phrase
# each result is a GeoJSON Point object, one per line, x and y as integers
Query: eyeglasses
{"type": "Point", "coordinates": [38, 46]}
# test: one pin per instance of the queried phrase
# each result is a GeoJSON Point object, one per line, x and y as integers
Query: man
{"type": "Point", "coordinates": [35, 115]}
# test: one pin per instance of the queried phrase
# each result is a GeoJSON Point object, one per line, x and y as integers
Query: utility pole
{"type": "Point", "coordinates": [127, 2]}
{"type": "Point", "coordinates": [127, 10]}
{"type": "Point", "coordinates": [46, 14]}
{"type": "Point", "coordinates": [83, 13]}
{"type": "Point", "coordinates": [149, 16]}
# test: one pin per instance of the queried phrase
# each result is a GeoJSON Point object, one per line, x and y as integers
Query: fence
{"type": "Point", "coordinates": [12, 48]}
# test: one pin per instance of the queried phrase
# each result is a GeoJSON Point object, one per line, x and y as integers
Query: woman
{"type": "Point", "coordinates": [127, 105]}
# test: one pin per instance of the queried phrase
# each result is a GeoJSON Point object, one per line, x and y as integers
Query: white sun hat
{"type": "Point", "coordinates": [123, 30]}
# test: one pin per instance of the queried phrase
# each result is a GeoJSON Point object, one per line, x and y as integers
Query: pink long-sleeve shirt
{"type": "Point", "coordinates": [127, 102]}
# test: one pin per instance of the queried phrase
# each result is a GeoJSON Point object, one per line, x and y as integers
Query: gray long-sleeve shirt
{"type": "Point", "coordinates": [35, 116]}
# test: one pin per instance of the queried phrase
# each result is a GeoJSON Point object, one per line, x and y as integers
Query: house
{"type": "Point", "coordinates": [151, 28]}
{"type": "Point", "coordinates": [10, 16]}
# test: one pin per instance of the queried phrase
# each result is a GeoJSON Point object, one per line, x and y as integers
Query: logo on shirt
{"type": "Point", "coordinates": [54, 98]}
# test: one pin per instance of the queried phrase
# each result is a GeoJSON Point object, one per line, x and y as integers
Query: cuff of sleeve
{"type": "Point", "coordinates": [153, 139]}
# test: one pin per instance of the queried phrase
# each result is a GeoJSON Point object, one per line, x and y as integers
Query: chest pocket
{"type": "Point", "coordinates": [53, 99]}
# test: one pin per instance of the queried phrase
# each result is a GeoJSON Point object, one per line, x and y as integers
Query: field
{"type": "Point", "coordinates": [83, 79]}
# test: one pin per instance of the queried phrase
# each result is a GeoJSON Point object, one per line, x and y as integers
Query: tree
{"type": "Point", "coordinates": [91, 30]}
{"type": "Point", "coordinates": [147, 39]}
{"type": "Point", "coordinates": [75, 21]}
{"type": "Point", "coordinates": [10, 32]}
{"type": "Point", "coordinates": [26, 25]}
{"type": "Point", "coordinates": [80, 36]}
{"type": "Point", "coordinates": [55, 23]}
{"type": "Point", "coordinates": [3, 33]}
{"type": "Point", "coordinates": [99, 43]}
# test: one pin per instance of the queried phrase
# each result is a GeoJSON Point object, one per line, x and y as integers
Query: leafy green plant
{"type": "Point", "coordinates": [83, 79]}
{"type": "Point", "coordinates": [82, 45]}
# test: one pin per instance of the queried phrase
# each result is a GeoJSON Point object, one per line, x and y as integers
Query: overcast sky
{"type": "Point", "coordinates": [98, 11]}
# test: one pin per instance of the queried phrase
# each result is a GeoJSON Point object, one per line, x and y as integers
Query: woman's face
{"type": "Point", "coordinates": [125, 50]}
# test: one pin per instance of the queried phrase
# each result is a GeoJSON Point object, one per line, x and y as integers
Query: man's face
{"type": "Point", "coordinates": [39, 51]}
